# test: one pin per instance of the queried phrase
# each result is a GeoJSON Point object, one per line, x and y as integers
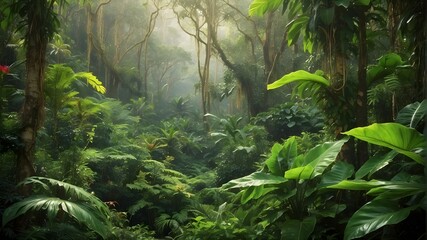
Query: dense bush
{"type": "Point", "coordinates": [290, 119]}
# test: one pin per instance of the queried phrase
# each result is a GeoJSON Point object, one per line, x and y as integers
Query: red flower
{"type": "Point", "coordinates": [4, 69]}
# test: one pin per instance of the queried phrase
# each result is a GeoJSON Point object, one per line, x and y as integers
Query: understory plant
{"type": "Point", "coordinates": [394, 182]}
{"type": "Point", "coordinates": [223, 222]}
{"type": "Point", "coordinates": [163, 196]}
{"type": "Point", "coordinates": [290, 119]}
{"type": "Point", "coordinates": [291, 186]}
{"type": "Point", "coordinates": [240, 147]}
{"type": "Point", "coordinates": [296, 188]}
{"type": "Point", "coordinates": [57, 209]}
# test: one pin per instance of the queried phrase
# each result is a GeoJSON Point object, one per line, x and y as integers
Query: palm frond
{"type": "Point", "coordinates": [72, 192]}
{"type": "Point", "coordinates": [92, 80]}
{"type": "Point", "coordinates": [52, 205]}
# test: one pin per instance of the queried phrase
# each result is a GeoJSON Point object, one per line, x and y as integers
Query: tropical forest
{"type": "Point", "coordinates": [213, 119]}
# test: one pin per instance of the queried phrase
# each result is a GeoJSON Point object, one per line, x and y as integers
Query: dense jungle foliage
{"type": "Point", "coordinates": [202, 119]}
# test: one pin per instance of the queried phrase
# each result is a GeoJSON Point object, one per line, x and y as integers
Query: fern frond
{"type": "Point", "coordinates": [138, 206]}
{"type": "Point", "coordinates": [91, 154]}
{"type": "Point", "coordinates": [166, 221]}
{"type": "Point", "coordinates": [122, 157]}
{"type": "Point", "coordinates": [139, 185]}
{"type": "Point", "coordinates": [392, 82]}
{"type": "Point", "coordinates": [181, 216]}
{"type": "Point", "coordinates": [123, 153]}
{"type": "Point", "coordinates": [205, 210]}
{"type": "Point", "coordinates": [153, 165]}
{"type": "Point", "coordinates": [173, 173]}
{"type": "Point", "coordinates": [375, 94]}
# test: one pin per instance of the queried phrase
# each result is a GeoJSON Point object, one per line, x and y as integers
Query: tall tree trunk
{"type": "Point", "coordinates": [394, 12]}
{"type": "Point", "coordinates": [268, 45]}
{"type": "Point", "coordinates": [361, 101]}
{"type": "Point", "coordinates": [33, 109]}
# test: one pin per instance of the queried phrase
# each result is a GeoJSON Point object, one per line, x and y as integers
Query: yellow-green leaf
{"type": "Point", "coordinates": [299, 75]}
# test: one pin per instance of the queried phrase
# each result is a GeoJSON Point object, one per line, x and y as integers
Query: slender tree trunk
{"type": "Point", "coordinates": [361, 102]}
{"type": "Point", "coordinates": [268, 47]}
{"type": "Point", "coordinates": [89, 33]}
{"type": "Point", "coordinates": [146, 68]}
{"type": "Point", "coordinates": [141, 79]}
{"type": "Point", "coordinates": [33, 109]}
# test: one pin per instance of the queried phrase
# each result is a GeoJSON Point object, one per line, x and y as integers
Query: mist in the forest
{"type": "Point", "coordinates": [212, 119]}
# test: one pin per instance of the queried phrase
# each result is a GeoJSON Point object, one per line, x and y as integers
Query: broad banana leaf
{"type": "Point", "coordinates": [298, 229]}
{"type": "Point", "coordinates": [255, 179]}
{"type": "Point", "coordinates": [374, 215]}
{"type": "Point", "coordinates": [358, 184]}
{"type": "Point", "coordinates": [299, 75]}
{"type": "Point", "coordinates": [340, 171]}
{"type": "Point", "coordinates": [316, 160]}
{"type": "Point", "coordinates": [255, 192]}
{"type": "Point", "coordinates": [281, 156]}
{"type": "Point", "coordinates": [395, 136]}
{"type": "Point", "coordinates": [374, 164]}
{"type": "Point", "coordinates": [412, 114]}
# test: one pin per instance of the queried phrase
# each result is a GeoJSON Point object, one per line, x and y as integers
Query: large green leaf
{"type": "Point", "coordinates": [412, 114]}
{"type": "Point", "coordinates": [299, 75]}
{"type": "Point", "coordinates": [374, 164]}
{"type": "Point", "coordinates": [376, 72]}
{"type": "Point", "coordinates": [260, 7]}
{"type": "Point", "coordinates": [390, 60]}
{"type": "Point", "coordinates": [296, 27]}
{"type": "Point", "coordinates": [374, 215]}
{"type": "Point", "coordinates": [340, 171]}
{"type": "Point", "coordinates": [329, 211]}
{"type": "Point", "coordinates": [395, 136]}
{"type": "Point", "coordinates": [255, 192]}
{"type": "Point", "coordinates": [321, 156]}
{"type": "Point", "coordinates": [387, 65]}
{"type": "Point", "coordinates": [358, 184]}
{"type": "Point", "coordinates": [305, 172]}
{"type": "Point", "coordinates": [281, 155]}
{"type": "Point", "coordinates": [397, 190]}
{"type": "Point", "coordinates": [298, 229]}
{"type": "Point", "coordinates": [255, 179]}
{"type": "Point", "coordinates": [52, 205]}
{"type": "Point", "coordinates": [289, 153]}
{"type": "Point", "coordinates": [274, 163]}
